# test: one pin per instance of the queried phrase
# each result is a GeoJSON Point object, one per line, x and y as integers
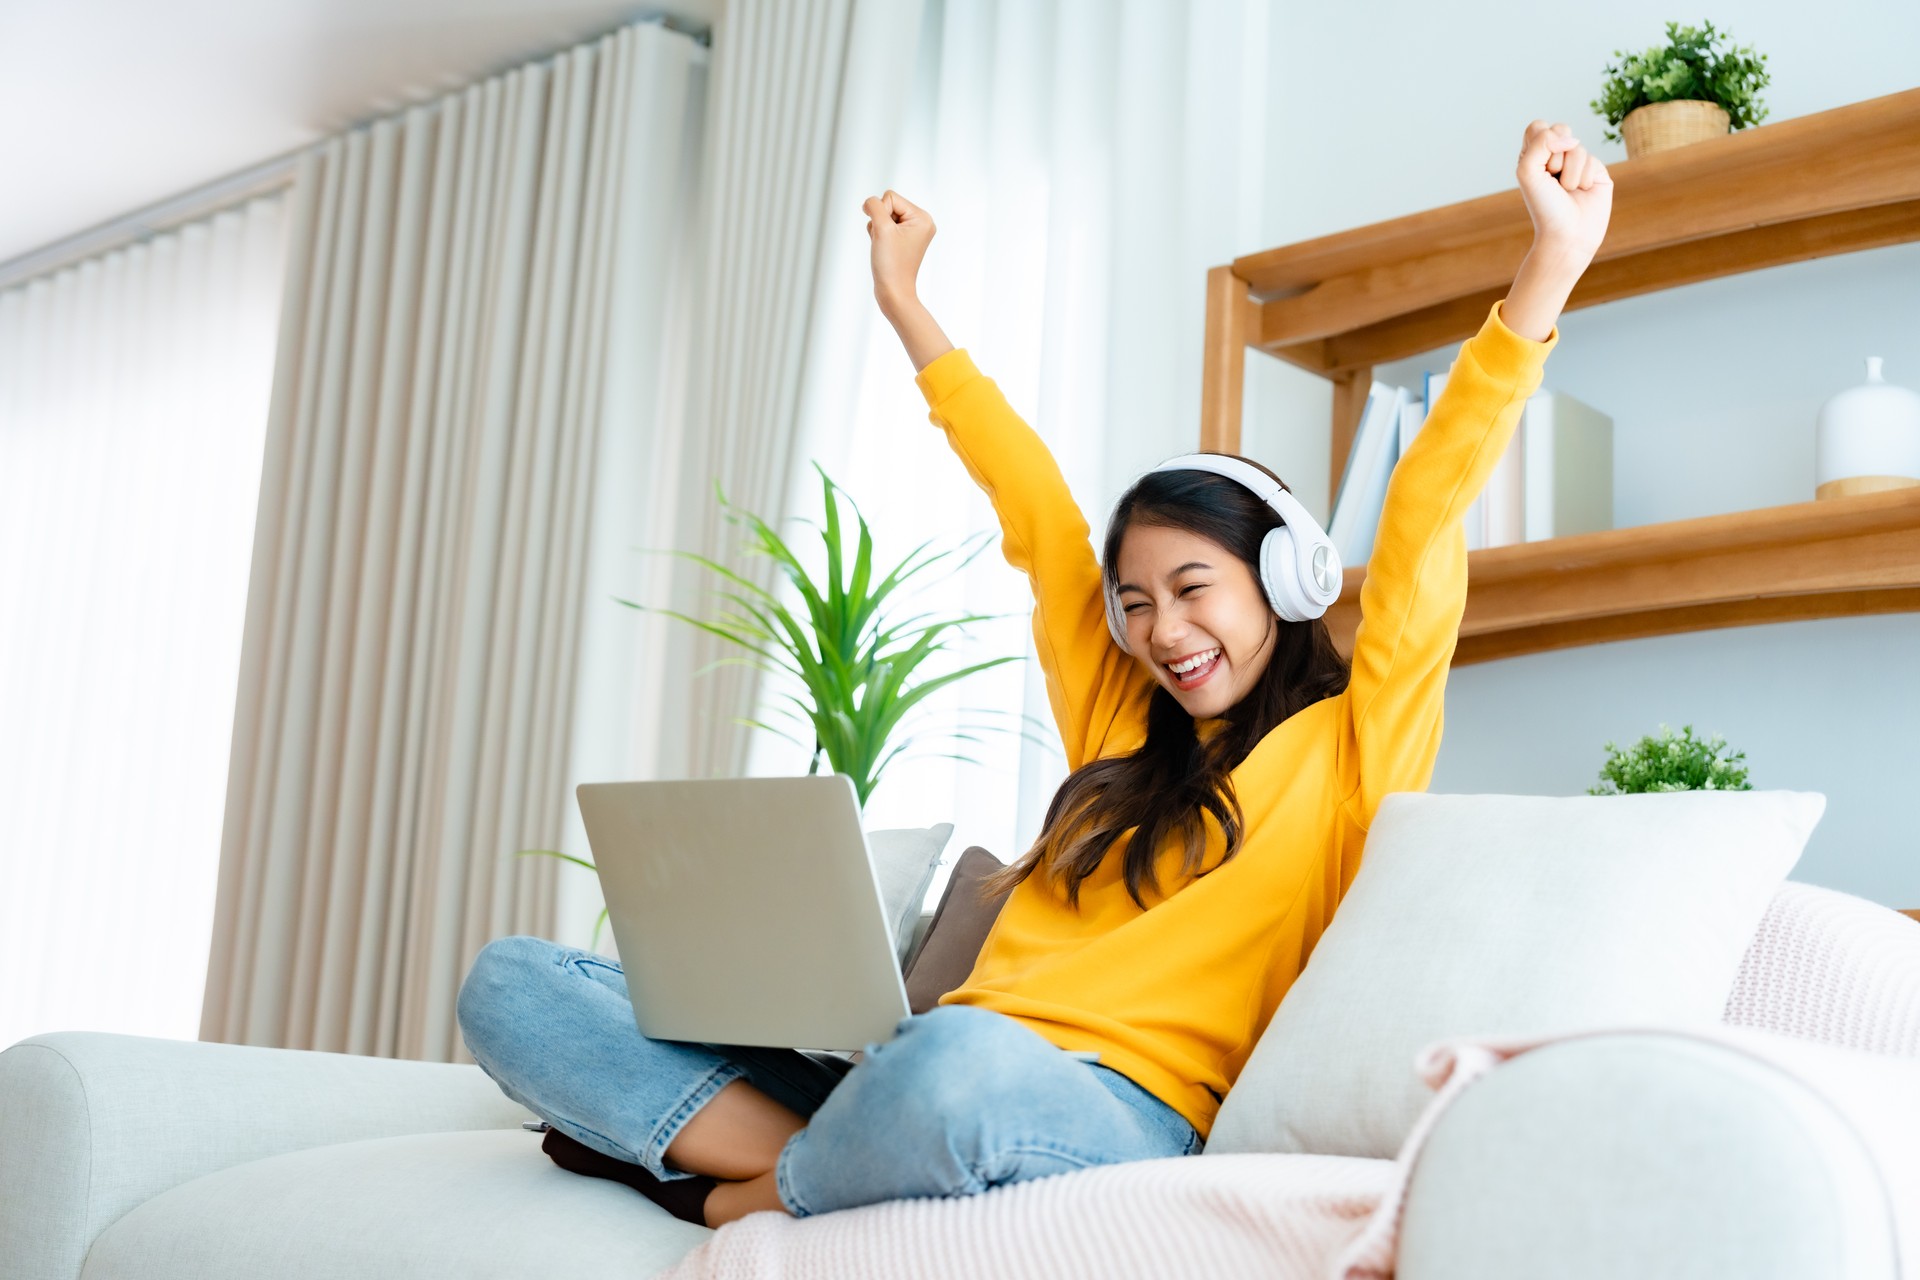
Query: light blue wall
{"type": "Point", "coordinates": [1817, 706]}
{"type": "Point", "coordinates": [1384, 109]}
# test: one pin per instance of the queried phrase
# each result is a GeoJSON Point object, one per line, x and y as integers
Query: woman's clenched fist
{"type": "Point", "coordinates": [1568, 192]}
{"type": "Point", "coordinates": [900, 233]}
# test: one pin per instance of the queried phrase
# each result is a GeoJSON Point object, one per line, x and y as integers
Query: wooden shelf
{"type": "Point", "coordinates": [1834, 182]}
{"type": "Point", "coordinates": [1841, 557]}
{"type": "Point", "coordinates": [1828, 183]}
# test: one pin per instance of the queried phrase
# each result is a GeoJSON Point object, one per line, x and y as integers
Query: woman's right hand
{"type": "Point", "coordinates": [900, 233]}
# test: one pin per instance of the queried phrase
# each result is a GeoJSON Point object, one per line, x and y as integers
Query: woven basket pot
{"type": "Point", "coordinates": [1662, 126]}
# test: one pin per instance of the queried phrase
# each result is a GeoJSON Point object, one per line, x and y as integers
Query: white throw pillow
{"type": "Point", "coordinates": [905, 860]}
{"type": "Point", "coordinates": [1493, 915]}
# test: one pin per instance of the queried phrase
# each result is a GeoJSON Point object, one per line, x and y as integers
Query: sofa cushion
{"type": "Point", "coordinates": [482, 1203]}
{"type": "Point", "coordinates": [958, 931]}
{"type": "Point", "coordinates": [1492, 915]}
{"type": "Point", "coordinates": [904, 860]}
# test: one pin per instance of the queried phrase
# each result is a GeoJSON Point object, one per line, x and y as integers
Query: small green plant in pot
{"type": "Point", "coordinates": [1670, 763]}
{"type": "Point", "coordinates": [1694, 87]}
{"type": "Point", "coordinates": [859, 667]}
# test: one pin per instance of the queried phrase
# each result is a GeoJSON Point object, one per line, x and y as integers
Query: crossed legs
{"type": "Point", "coordinates": [958, 1100]}
{"type": "Point", "coordinates": [736, 1138]}
{"type": "Point", "coordinates": [554, 1028]}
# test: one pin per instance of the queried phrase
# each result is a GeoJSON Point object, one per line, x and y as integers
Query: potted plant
{"type": "Point", "coordinates": [1669, 763]}
{"type": "Point", "coordinates": [857, 665]}
{"type": "Point", "coordinates": [1693, 88]}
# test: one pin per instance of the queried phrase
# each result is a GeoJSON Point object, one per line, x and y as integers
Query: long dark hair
{"type": "Point", "coordinates": [1174, 781]}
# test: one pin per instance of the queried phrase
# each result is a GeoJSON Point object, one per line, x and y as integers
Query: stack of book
{"type": "Point", "coordinates": [1554, 480]}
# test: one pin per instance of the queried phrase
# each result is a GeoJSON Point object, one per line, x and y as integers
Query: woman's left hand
{"type": "Point", "coordinates": [1568, 192]}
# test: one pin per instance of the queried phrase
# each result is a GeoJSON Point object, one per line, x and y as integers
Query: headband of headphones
{"type": "Point", "coordinates": [1299, 566]}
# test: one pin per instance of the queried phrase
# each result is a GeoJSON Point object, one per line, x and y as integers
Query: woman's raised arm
{"type": "Point", "coordinates": [1092, 687]}
{"type": "Point", "coordinates": [1415, 591]}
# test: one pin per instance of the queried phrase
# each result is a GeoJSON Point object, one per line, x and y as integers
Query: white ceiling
{"type": "Point", "coordinates": [107, 106]}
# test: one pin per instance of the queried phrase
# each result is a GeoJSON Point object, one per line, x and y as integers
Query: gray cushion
{"type": "Point", "coordinates": [904, 861]}
{"type": "Point", "coordinates": [959, 928]}
{"type": "Point", "coordinates": [481, 1203]}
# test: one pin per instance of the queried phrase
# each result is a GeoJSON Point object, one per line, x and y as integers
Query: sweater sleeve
{"type": "Point", "coordinates": [1415, 591]}
{"type": "Point", "coordinates": [1091, 683]}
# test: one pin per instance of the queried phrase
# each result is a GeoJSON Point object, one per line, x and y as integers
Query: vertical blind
{"type": "Point", "coordinates": [133, 401]}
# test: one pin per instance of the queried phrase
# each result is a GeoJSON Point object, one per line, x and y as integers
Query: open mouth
{"type": "Point", "coordinates": [1193, 671]}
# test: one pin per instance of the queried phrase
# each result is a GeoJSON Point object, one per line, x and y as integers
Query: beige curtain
{"type": "Point", "coordinates": [805, 104]}
{"type": "Point", "coordinates": [473, 289]}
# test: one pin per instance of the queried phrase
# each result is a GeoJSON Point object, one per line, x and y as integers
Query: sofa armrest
{"type": "Point", "coordinates": [93, 1124]}
{"type": "Point", "coordinates": [1647, 1153]}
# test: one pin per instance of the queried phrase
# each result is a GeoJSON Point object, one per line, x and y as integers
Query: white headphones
{"type": "Point", "coordinates": [1299, 565]}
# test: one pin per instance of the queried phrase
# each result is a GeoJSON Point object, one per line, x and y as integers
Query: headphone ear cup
{"type": "Point", "coordinates": [1280, 576]}
{"type": "Point", "coordinates": [1313, 572]}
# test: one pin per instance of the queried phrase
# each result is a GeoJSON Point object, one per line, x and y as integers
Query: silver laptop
{"type": "Point", "coordinates": [746, 911]}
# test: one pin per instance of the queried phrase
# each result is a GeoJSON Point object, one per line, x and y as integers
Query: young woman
{"type": "Point", "coordinates": [1226, 764]}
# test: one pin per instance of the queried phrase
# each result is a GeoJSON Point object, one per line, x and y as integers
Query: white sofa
{"type": "Point", "coordinates": [1631, 1154]}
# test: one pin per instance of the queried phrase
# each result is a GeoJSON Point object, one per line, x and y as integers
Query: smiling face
{"type": "Point", "coordinates": [1192, 604]}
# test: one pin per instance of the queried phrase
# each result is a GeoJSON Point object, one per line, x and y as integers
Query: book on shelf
{"type": "Point", "coordinates": [1568, 460]}
{"type": "Point", "coordinates": [1412, 414]}
{"type": "Point", "coordinates": [1555, 479]}
{"type": "Point", "coordinates": [1363, 485]}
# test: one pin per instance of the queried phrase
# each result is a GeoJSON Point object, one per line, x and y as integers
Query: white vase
{"type": "Point", "coordinates": [1867, 438]}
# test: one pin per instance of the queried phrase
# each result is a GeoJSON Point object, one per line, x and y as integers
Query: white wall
{"type": "Point", "coordinates": [1384, 109]}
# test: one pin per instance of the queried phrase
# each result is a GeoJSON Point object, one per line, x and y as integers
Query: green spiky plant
{"type": "Point", "coordinates": [1669, 763]}
{"type": "Point", "coordinates": [1696, 63]}
{"type": "Point", "coordinates": [857, 663]}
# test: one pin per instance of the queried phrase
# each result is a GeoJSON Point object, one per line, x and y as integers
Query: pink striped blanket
{"type": "Point", "coordinates": [1278, 1216]}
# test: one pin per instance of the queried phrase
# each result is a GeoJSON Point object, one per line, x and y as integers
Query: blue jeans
{"type": "Point", "coordinates": [961, 1099]}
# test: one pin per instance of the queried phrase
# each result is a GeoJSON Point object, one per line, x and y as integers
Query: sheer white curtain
{"type": "Point", "coordinates": [1085, 164]}
{"type": "Point", "coordinates": [133, 402]}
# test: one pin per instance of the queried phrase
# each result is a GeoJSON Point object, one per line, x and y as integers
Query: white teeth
{"type": "Point", "coordinates": [1196, 661]}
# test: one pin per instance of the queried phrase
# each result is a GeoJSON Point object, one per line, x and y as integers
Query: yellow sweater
{"type": "Point", "coordinates": [1174, 997]}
